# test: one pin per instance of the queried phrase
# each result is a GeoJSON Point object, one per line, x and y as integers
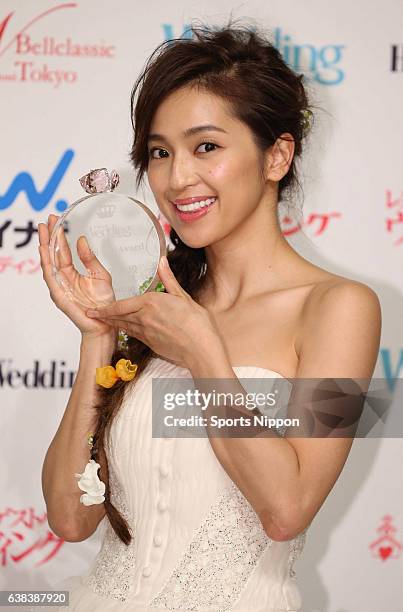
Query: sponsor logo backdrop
{"type": "Point", "coordinates": [66, 70]}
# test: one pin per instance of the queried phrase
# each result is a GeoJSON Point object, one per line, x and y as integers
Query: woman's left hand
{"type": "Point", "coordinates": [172, 324]}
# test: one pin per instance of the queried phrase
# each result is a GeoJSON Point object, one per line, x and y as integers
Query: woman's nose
{"type": "Point", "coordinates": [182, 174]}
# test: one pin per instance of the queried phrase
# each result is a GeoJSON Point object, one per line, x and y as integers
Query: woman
{"type": "Point", "coordinates": [213, 523]}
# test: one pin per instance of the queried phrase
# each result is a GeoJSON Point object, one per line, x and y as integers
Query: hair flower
{"type": "Point", "coordinates": [307, 120]}
{"type": "Point", "coordinates": [125, 369]}
{"type": "Point", "coordinates": [93, 487]}
{"type": "Point", "coordinates": [108, 375]}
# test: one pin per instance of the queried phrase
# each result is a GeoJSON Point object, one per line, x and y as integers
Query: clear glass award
{"type": "Point", "coordinates": [125, 236]}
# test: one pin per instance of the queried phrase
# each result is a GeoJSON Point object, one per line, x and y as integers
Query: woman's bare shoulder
{"type": "Point", "coordinates": [335, 293]}
{"type": "Point", "coordinates": [337, 286]}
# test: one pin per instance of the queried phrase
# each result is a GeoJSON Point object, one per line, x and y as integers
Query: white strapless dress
{"type": "Point", "coordinates": [197, 543]}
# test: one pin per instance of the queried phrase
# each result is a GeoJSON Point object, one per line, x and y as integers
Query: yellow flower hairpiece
{"type": "Point", "coordinates": [108, 375]}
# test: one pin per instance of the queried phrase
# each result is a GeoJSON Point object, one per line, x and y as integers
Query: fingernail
{"type": "Point", "coordinates": [92, 313]}
{"type": "Point", "coordinates": [164, 262]}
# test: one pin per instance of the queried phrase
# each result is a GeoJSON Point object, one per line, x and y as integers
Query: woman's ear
{"type": "Point", "coordinates": [279, 157]}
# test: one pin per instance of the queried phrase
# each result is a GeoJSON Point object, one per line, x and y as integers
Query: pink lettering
{"type": "Point", "coordinates": [24, 67]}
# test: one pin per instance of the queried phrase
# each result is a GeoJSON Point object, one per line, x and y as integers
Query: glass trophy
{"type": "Point", "coordinates": [125, 236]}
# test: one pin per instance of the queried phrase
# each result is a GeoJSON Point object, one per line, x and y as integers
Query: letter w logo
{"type": "Point", "coordinates": [23, 182]}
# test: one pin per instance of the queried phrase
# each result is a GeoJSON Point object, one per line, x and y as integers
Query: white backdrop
{"type": "Point", "coordinates": [66, 71]}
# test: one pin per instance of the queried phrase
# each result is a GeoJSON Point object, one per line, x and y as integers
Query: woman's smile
{"type": "Point", "coordinates": [191, 212]}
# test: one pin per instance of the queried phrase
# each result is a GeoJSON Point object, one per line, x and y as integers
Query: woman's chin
{"type": "Point", "coordinates": [194, 243]}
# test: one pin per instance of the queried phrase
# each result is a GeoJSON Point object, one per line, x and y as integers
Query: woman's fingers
{"type": "Point", "coordinates": [63, 255]}
{"type": "Point", "coordinates": [128, 306]}
{"type": "Point", "coordinates": [45, 232]}
{"type": "Point", "coordinates": [44, 236]}
{"type": "Point", "coordinates": [132, 329]}
{"type": "Point", "coordinates": [64, 259]}
{"type": "Point", "coordinates": [90, 260]}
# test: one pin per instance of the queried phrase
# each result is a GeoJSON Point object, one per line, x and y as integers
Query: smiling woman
{"type": "Point", "coordinates": [214, 523]}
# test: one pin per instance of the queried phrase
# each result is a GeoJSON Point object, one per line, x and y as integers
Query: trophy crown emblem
{"type": "Point", "coordinates": [106, 211]}
{"type": "Point", "coordinates": [99, 180]}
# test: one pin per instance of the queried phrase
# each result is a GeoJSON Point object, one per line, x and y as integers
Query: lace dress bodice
{"type": "Point", "coordinates": [197, 543]}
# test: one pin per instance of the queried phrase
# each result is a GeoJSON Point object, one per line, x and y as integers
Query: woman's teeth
{"type": "Point", "coordinates": [195, 205]}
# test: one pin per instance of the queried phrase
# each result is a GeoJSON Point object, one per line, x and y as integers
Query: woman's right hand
{"type": "Point", "coordinates": [101, 289]}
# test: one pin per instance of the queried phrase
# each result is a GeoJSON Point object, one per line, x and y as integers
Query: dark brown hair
{"type": "Point", "coordinates": [240, 65]}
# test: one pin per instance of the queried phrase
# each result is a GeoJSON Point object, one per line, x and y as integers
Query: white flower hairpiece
{"type": "Point", "coordinates": [93, 487]}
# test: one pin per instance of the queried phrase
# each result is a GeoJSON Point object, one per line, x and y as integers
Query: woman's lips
{"type": "Point", "coordinates": [189, 216]}
{"type": "Point", "coordinates": [193, 199]}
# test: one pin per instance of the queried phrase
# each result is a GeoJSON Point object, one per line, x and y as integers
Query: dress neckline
{"type": "Point", "coordinates": [233, 367]}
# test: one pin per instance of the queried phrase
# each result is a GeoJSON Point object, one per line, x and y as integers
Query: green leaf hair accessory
{"type": "Point", "coordinates": [160, 286]}
{"type": "Point", "coordinates": [147, 283]}
{"type": "Point", "coordinates": [307, 120]}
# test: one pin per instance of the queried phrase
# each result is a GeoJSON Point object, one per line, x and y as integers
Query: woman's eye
{"type": "Point", "coordinates": [154, 150]}
{"type": "Point", "coordinates": [208, 143]}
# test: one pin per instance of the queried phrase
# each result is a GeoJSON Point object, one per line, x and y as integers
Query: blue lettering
{"type": "Point", "coordinates": [329, 62]}
{"type": "Point", "coordinates": [169, 32]}
{"type": "Point", "coordinates": [320, 62]}
{"type": "Point", "coordinates": [23, 183]}
{"type": "Point", "coordinates": [387, 367]}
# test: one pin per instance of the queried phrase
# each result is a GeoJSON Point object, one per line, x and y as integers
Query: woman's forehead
{"type": "Point", "coordinates": [184, 111]}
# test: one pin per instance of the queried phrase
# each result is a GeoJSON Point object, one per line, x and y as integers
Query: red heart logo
{"type": "Point", "coordinates": [385, 551]}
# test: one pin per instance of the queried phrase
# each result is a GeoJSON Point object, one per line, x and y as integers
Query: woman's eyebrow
{"type": "Point", "coordinates": [189, 132]}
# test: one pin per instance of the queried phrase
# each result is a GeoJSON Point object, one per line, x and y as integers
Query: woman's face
{"type": "Point", "coordinates": [187, 162]}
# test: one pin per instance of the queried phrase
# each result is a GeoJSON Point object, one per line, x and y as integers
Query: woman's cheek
{"type": "Point", "coordinates": [216, 170]}
{"type": "Point", "coordinates": [221, 172]}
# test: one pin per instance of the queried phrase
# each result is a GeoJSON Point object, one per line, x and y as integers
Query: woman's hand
{"type": "Point", "coordinates": [87, 288]}
{"type": "Point", "coordinates": [172, 324]}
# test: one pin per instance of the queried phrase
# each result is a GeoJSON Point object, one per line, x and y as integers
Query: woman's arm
{"type": "Point", "coordinates": [286, 480]}
{"type": "Point", "coordinates": [69, 452]}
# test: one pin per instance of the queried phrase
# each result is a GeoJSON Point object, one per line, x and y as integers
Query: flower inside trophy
{"type": "Point", "coordinates": [125, 236]}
